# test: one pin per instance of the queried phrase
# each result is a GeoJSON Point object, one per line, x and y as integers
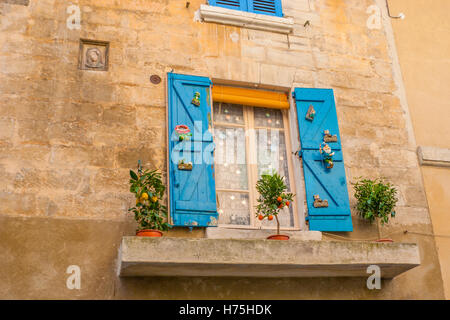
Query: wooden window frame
{"type": "Point", "coordinates": [252, 170]}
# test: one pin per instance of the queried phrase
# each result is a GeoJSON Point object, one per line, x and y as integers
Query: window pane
{"type": "Point", "coordinates": [233, 208]}
{"type": "Point", "coordinates": [271, 118]}
{"type": "Point", "coordinates": [271, 153]}
{"type": "Point", "coordinates": [230, 158]}
{"type": "Point", "coordinates": [228, 113]}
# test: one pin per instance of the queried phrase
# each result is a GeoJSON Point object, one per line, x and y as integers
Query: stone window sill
{"type": "Point", "coordinates": [433, 156]}
{"type": "Point", "coordinates": [234, 233]}
{"type": "Point", "coordinates": [189, 257]}
{"type": "Point", "coordinates": [246, 19]}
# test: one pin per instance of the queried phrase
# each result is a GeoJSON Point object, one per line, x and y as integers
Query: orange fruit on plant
{"type": "Point", "coordinates": [287, 203]}
{"type": "Point", "coordinates": [154, 198]}
{"type": "Point", "coordinates": [279, 199]}
{"type": "Point", "coordinates": [270, 217]}
{"type": "Point", "coordinates": [144, 196]}
{"type": "Point", "coordinates": [280, 206]}
{"type": "Point", "coordinates": [260, 217]}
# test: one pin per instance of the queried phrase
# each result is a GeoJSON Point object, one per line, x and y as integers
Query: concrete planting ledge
{"type": "Point", "coordinates": [187, 257]}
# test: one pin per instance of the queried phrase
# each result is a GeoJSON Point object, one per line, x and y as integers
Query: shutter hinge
{"type": "Point", "coordinates": [298, 153]}
{"type": "Point", "coordinates": [293, 94]}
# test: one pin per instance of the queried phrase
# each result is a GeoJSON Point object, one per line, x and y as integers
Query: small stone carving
{"type": "Point", "coordinates": [311, 113]}
{"type": "Point", "coordinates": [93, 55]}
{"type": "Point", "coordinates": [327, 137]}
{"type": "Point", "coordinates": [319, 203]}
{"type": "Point", "coordinates": [94, 58]}
{"type": "Point", "coordinates": [184, 166]}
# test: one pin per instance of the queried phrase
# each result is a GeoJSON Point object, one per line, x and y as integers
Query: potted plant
{"type": "Point", "coordinates": [149, 213]}
{"type": "Point", "coordinates": [272, 199]}
{"type": "Point", "coordinates": [376, 200]}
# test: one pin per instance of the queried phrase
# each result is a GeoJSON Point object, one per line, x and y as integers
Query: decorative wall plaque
{"type": "Point", "coordinates": [183, 132]}
{"type": "Point", "coordinates": [319, 203]}
{"type": "Point", "coordinates": [196, 100]}
{"type": "Point", "coordinates": [94, 55]}
{"type": "Point", "coordinates": [311, 113]}
{"type": "Point", "coordinates": [155, 79]}
{"type": "Point", "coordinates": [327, 137]}
{"type": "Point", "coordinates": [184, 166]}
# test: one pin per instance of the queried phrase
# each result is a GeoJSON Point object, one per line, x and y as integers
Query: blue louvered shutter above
{"type": "Point", "coordinates": [230, 4]}
{"type": "Point", "coordinates": [328, 184]}
{"type": "Point", "coordinates": [269, 7]}
{"type": "Point", "coordinates": [192, 193]}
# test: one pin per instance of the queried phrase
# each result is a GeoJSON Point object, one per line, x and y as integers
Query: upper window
{"type": "Point", "coordinates": [269, 7]}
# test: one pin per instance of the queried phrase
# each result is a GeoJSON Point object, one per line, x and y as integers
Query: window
{"type": "Point", "coordinates": [269, 7]}
{"type": "Point", "coordinates": [249, 141]}
{"type": "Point", "coordinates": [224, 172]}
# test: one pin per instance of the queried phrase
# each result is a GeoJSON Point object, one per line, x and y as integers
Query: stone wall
{"type": "Point", "coordinates": [68, 136]}
{"type": "Point", "coordinates": [423, 48]}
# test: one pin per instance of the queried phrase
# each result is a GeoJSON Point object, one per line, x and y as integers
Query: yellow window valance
{"type": "Point", "coordinates": [250, 97]}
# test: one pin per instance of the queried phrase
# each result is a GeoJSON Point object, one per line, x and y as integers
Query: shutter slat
{"type": "Point", "coordinates": [192, 193]}
{"type": "Point", "coordinates": [231, 4]}
{"type": "Point", "coordinates": [329, 184]}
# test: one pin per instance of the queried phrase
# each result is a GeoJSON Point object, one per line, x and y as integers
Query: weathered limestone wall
{"type": "Point", "coordinates": [424, 49]}
{"type": "Point", "coordinates": [68, 137]}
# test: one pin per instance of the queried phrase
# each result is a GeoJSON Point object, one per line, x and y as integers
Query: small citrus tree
{"type": "Point", "coordinates": [272, 197]}
{"type": "Point", "coordinates": [148, 189]}
{"type": "Point", "coordinates": [376, 200]}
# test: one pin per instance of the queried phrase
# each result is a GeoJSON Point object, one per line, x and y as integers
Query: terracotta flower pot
{"type": "Point", "coordinates": [384, 240]}
{"type": "Point", "coordinates": [278, 237]}
{"type": "Point", "coordinates": [149, 233]}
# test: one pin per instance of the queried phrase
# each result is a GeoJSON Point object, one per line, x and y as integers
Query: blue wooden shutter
{"type": "Point", "coordinates": [192, 193]}
{"type": "Point", "coordinates": [270, 7]}
{"type": "Point", "coordinates": [230, 4]}
{"type": "Point", "coordinates": [329, 184]}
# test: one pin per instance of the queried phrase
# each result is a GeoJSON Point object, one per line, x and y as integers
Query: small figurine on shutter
{"type": "Point", "coordinates": [196, 100]}
{"type": "Point", "coordinates": [183, 132]}
{"type": "Point", "coordinates": [184, 166]}
{"type": "Point", "coordinates": [311, 113]}
{"type": "Point", "coordinates": [319, 203]}
{"type": "Point", "coordinates": [327, 155]}
{"type": "Point", "coordinates": [327, 137]}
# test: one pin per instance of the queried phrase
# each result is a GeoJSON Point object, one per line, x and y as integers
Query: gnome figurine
{"type": "Point", "coordinates": [196, 100]}
{"type": "Point", "coordinates": [327, 155]}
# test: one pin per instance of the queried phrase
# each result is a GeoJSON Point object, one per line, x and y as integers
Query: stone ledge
{"type": "Point", "coordinates": [433, 156]}
{"type": "Point", "coordinates": [17, 2]}
{"type": "Point", "coordinates": [185, 257]}
{"type": "Point", "coordinates": [246, 19]}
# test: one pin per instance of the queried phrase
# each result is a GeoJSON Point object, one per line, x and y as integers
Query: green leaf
{"type": "Point", "coordinates": [133, 175]}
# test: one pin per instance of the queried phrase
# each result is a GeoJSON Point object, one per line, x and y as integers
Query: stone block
{"type": "Point", "coordinates": [17, 2]}
{"type": "Point", "coordinates": [289, 58]}
{"type": "Point", "coordinates": [7, 129]}
{"type": "Point", "coordinates": [112, 180]}
{"type": "Point", "coordinates": [73, 156]}
{"type": "Point", "coordinates": [150, 156]}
